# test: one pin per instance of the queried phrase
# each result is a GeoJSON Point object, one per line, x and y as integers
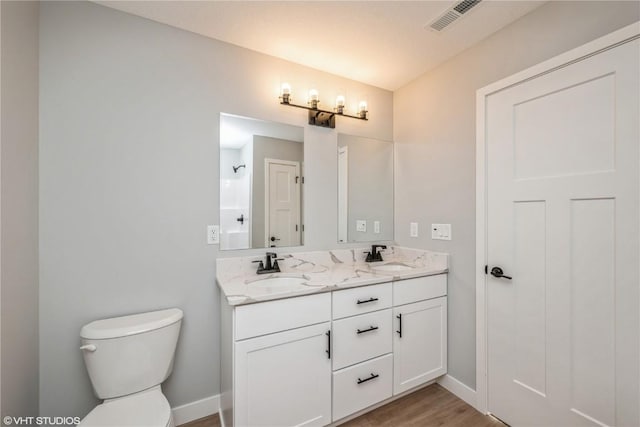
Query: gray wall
{"type": "Point", "coordinates": [434, 131]}
{"type": "Point", "coordinates": [129, 129]}
{"type": "Point", "coordinates": [265, 147]}
{"type": "Point", "coordinates": [19, 214]}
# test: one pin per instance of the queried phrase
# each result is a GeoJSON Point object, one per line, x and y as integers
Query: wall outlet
{"type": "Point", "coordinates": [213, 234]}
{"type": "Point", "coordinates": [361, 225]}
{"type": "Point", "coordinates": [441, 231]}
{"type": "Point", "coordinates": [376, 227]}
{"type": "Point", "coordinates": [413, 229]}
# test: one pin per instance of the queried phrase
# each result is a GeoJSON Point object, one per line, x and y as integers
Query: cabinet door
{"type": "Point", "coordinates": [420, 343]}
{"type": "Point", "coordinates": [284, 379]}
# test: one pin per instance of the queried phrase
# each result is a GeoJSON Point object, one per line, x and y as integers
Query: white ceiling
{"type": "Point", "coordinates": [381, 43]}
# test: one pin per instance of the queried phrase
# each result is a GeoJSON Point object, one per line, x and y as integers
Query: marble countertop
{"type": "Point", "coordinates": [322, 271]}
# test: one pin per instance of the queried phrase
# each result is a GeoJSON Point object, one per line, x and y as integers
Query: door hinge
{"type": "Point", "coordinates": [486, 269]}
{"type": "Point", "coordinates": [296, 227]}
{"type": "Point", "coordinates": [297, 178]}
{"type": "Point", "coordinates": [300, 178]}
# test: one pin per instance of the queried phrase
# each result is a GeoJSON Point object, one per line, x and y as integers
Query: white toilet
{"type": "Point", "coordinates": [127, 359]}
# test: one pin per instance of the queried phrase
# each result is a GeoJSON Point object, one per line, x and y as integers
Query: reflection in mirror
{"type": "Point", "coordinates": [261, 170]}
{"type": "Point", "coordinates": [365, 189]}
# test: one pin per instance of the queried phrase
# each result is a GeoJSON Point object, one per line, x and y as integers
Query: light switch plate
{"type": "Point", "coordinates": [213, 234]}
{"type": "Point", "coordinates": [441, 231]}
{"type": "Point", "coordinates": [376, 227]}
{"type": "Point", "coordinates": [361, 225]}
{"type": "Point", "coordinates": [413, 229]}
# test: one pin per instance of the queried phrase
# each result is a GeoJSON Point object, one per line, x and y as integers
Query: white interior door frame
{"type": "Point", "coordinates": [607, 42]}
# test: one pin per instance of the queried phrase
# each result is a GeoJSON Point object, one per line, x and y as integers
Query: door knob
{"type": "Point", "coordinates": [273, 238]}
{"type": "Point", "coordinates": [497, 272]}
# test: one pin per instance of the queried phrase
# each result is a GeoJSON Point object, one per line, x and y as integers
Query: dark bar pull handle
{"type": "Point", "coordinates": [367, 300]}
{"type": "Point", "coordinates": [399, 331]}
{"type": "Point", "coordinates": [328, 350]}
{"type": "Point", "coordinates": [373, 376]}
{"type": "Point", "coordinates": [372, 328]}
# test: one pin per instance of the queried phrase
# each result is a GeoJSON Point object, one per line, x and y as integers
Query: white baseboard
{"type": "Point", "coordinates": [192, 411]}
{"type": "Point", "coordinates": [460, 389]}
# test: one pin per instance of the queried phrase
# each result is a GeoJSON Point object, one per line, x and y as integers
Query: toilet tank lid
{"type": "Point", "coordinates": [130, 325]}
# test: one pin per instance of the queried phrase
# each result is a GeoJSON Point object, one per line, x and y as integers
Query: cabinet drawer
{"type": "Point", "coordinates": [362, 385]}
{"type": "Point", "coordinates": [374, 338]}
{"type": "Point", "coordinates": [361, 300]}
{"type": "Point", "coordinates": [274, 316]}
{"type": "Point", "coordinates": [418, 289]}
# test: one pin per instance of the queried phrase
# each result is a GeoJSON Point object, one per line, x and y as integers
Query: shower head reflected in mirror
{"type": "Point", "coordinates": [235, 168]}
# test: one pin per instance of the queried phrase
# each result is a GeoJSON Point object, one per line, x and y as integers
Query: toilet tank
{"type": "Point", "coordinates": [124, 355]}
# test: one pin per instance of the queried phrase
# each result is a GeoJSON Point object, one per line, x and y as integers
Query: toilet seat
{"type": "Point", "coordinates": [148, 408]}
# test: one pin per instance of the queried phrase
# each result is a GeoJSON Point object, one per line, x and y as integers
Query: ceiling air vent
{"type": "Point", "coordinates": [465, 5]}
{"type": "Point", "coordinates": [453, 14]}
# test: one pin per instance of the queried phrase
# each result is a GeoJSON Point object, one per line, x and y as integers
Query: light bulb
{"type": "Point", "coordinates": [313, 98]}
{"type": "Point", "coordinates": [363, 109]}
{"type": "Point", "coordinates": [340, 104]}
{"type": "Point", "coordinates": [285, 93]}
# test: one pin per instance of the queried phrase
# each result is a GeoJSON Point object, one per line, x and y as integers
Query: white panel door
{"type": "Point", "coordinates": [419, 343]}
{"type": "Point", "coordinates": [282, 190]}
{"type": "Point", "coordinates": [284, 379]}
{"type": "Point", "coordinates": [562, 174]}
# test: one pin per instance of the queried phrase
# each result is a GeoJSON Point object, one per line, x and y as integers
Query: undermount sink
{"type": "Point", "coordinates": [393, 267]}
{"type": "Point", "coordinates": [279, 284]}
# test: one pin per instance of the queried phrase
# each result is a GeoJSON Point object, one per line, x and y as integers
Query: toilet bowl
{"type": "Point", "coordinates": [147, 408]}
{"type": "Point", "coordinates": [127, 359]}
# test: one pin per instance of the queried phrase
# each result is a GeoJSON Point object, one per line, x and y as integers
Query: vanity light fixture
{"type": "Point", "coordinates": [317, 116]}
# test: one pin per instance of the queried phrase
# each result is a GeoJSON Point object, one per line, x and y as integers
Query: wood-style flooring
{"type": "Point", "coordinates": [430, 406]}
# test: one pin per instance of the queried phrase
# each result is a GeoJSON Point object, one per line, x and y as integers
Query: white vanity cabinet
{"type": "Point", "coordinates": [316, 359]}
{"type": "Point", "coordinates": [420, 338]}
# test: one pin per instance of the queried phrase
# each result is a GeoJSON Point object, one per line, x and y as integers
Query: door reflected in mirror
{"type": "Point", "coordinates": [261, 176]}
{"type": "Point", "coordinates": [365, 189]}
